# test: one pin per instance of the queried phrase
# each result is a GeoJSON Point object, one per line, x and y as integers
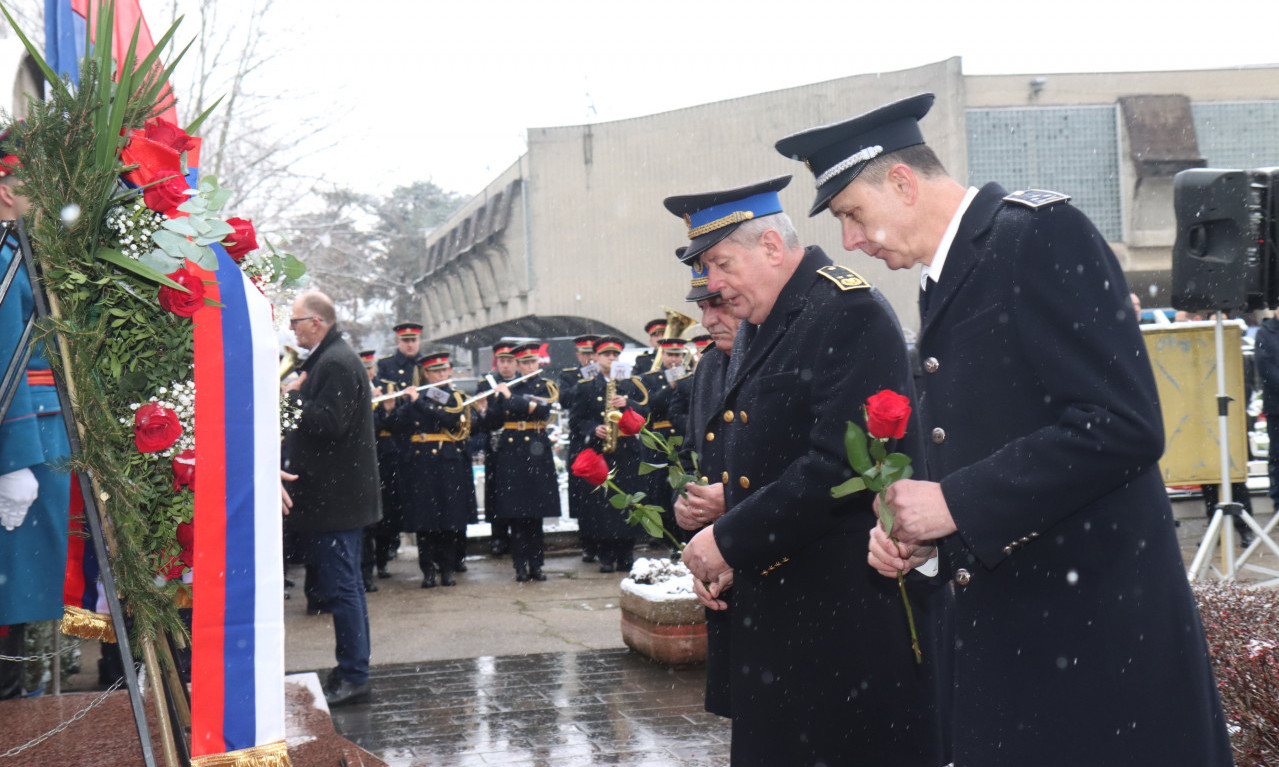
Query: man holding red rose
{"type": "Point", "coordinates": [1076, 637]}
{"type": "Point", "coordinates": [821, 670]}
{"type": "Point", "coordinates": [332, 452]}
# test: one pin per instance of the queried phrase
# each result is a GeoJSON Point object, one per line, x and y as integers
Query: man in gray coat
{"type": "Point", "coordinates": [334, 455]}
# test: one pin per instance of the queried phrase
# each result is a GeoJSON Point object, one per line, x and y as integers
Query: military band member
{"type": "Point", "coordinates": [395, 372]}
{"type": "Point", "coordinates": [373, 553]}
{"type": "Point", "coordinates": [437, 482]}
{"type": "Point", "coordinates": [525, 485]}
{"type": "Point", "coordinates": [491, 420]}
{"type": "Point", "coordinates": [700, 344]}
{"type": "Point", "coordinates": [822, 670]}
{"type": "Point", "coordinates": [578, 488]}
{"type": "Point", "coordinates": [655, 329]}
{"type": "Point", "coordinates": [663, 419]}
{"type": "Point", "coordinates": [614, 536]}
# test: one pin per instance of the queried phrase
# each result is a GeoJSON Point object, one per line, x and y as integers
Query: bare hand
{"type": "Point", "coordinates": [504, 390]}
{"type": "Point", "coordinates": [284, 494]}
{"type": "Point", "coordinates": [709, 594]}
{"type": "Point", "coordinates": [601, 431]}
{"type": "Point", "coordinates": [618, 402]}
{"type": "Point", "coordinates": [411, 393]}
{"type": "Point", "coordinates": [888, 557]}
{"type": "Point", "coordinates": [703, 558]}
{"type": "Point", "coordinates": [296, 383]}
{"type": "Point", "coordinates": [703, 505]}
{"type": "Point", "coordinates": [920, 513]}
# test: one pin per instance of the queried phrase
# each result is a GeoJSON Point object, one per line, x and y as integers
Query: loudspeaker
{"type": "Point", "coordinates": [1224, 257]}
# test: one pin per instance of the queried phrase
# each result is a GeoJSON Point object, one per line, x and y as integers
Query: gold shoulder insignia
{"type": "Point", "coordinates": [1036, 198]}
{"type": "Point", "coordinates": [845, 278]}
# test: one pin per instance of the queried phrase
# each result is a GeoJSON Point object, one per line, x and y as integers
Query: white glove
{"type": "Point", "coordinates": [18, 490]}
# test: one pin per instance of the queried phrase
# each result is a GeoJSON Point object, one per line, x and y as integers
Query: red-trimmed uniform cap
{"type": "Point", "coordinates": [585, 343]}
{"type": "Point", "coordinates": [528, 350]}
{"type": "Point", "coordinates": [702, 341]}
{"type": "Point", "coordinates": [838, 152]}
{"type": "Point", "coordinates": [434, 361]}
{"type": "Point", "coordinates": [609, 344]}
{"type": "Point", "coordinates": [504, 348]}
{"type": "Point", "coordinates": [672, 344]}
{"type": "Point", "coordinates": [712, 216]}
{"type": "Point", "coordinates": [368, 356]}
{"type": "Point", "coordinates": [655, 326]}
{"type": "Point", "coordinates": [408, 330]}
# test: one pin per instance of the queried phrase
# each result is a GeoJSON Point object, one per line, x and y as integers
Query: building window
{"type": "Point", "coordinates": [1238, 134]}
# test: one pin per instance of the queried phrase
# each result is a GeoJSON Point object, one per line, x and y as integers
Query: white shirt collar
{"type": "Point", "coordinates": [933, 271]}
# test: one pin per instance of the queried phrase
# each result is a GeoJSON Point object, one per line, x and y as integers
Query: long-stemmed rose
{"type": "Point", "coordinates": [591, 466]}
{"type": "Point", "coordinates": [887, 414]}
{"type": "Point", "coordinates": [155, 428]}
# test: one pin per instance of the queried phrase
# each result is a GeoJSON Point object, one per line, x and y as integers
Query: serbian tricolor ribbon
{"type": "Point", "coordinates": [237, 677]}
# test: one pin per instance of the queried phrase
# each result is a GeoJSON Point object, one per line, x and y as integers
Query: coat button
{"type": "Point", "coordinates": [705, 481]}
{"type": "Point", "coordinates": [710, 436]}
{"type": "Point", "coordinates": [725, 478]}
{"type": "Point", "coordinates": [742, 414]}
{"type": "Point", "coordinates": [939, 435]}
{"type": "Point", "coordinates": [962, 577]}
{"type": "Point", "coordinates": [526, 439]}
{"type": "Point", "coordinates": [1008, 550]}
{"type": "Point", "coordinates": [728, 416]}
{"type": "Point", "coordinates": [434, 451]}
{"type": "Point", "coordinates": [746, 483]}
{"type": "Point", "coordinates": [931, 364]}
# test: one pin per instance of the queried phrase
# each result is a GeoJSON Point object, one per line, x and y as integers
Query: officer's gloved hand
{"type": "Point", "coordinates": [18, 491]}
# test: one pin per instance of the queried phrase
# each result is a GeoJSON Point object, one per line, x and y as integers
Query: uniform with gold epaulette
{"type": "Point", "coordinates": [803, 664]}
{"type": "Point", "coordinates": [394, 372]}
{"type": "Point", "coordinates": [578, 488]}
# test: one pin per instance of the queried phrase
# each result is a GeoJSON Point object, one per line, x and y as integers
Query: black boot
{"type": "Point", "coordinates": [447, 579]}
{"type": "Point", "coordinates": [535, 573]}
{"type": "Point", "coordinates": [521, 575]}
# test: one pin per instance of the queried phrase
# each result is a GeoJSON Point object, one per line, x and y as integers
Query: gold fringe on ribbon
{"type": "Point", "coordinates": [267, 755]}
{"type": "Point", "coordinates": [79, 622]}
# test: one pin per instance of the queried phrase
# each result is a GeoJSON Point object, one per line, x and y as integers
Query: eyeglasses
{"type": "Point", "coordinates": [295, 320]}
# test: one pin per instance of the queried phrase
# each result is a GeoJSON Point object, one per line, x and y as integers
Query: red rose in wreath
{"type": "Point", "coordinates": [242, 241]}
{"type": "Point", "coordinates": [184, 470]}
{"type": "Point", "coordinates": [155, 428]}
{"type": "Point", "coordinates": [168, 134]}
{"type": "Point", "coordinates": [167, 195]}
{"type": "Point", "coordinates": [183, 304]}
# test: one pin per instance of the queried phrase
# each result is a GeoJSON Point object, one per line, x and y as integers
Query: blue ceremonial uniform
{"type": "Point", "coordinates": [33, 435]}
{"type": "Point", "coordinates": [1077, 637]}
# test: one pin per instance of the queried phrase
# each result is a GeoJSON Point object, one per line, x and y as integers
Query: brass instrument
{"type": "Point", "coordinates": [289, 363]}
{"type": "Point", "coordinates": [463, 429]}
{"type": "Point", "coordinates": [676, 324]}
{"type": "Point", "coordinates": [611, 417]}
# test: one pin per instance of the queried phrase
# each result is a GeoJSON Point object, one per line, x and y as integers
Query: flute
{"type": "Point", "coordinates": [402, 392]}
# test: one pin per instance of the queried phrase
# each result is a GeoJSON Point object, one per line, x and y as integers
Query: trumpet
{"type": "Point", "coordinates": [676, 324]}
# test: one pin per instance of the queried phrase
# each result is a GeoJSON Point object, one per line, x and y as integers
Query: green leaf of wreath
{"type": "Point", "coordinates": [136, 267]}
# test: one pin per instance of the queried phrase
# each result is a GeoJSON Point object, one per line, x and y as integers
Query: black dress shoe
{"type": "Point", "coordinates": [369, 587]}
{"type": "Point", "coordinates": [382, 572]}
{"type": "Point", "coordinates": [317, 610]}
{"type": "Point", "coordinates": [624, 565]}
{"type": "Point", "coordinates": [461, 567]}
{"type": "Point", "coordinates": [521, 576]}
{"type": "Point", "coordinates": [537, 574]}
{"type": "Point", "coordinates": [588, 557]}
{"type": "Point", "coordinates": [447, 579]}
{"type": "Point", "coordinates": [331, 680]}
{"type": "Point", "coordinates": [429, 581]}
{"type": "Point", "coordinates": [607, 568]}
{"type": "Point", "coordinates": [345, 693]}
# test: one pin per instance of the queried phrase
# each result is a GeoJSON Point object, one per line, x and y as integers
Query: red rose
{"type": "Point", "coordinates": [165, 132]}
{"type": "Point", "coordinates": [590, 466]}
{"type": "Point", "coordinates": [631, 423]}
{"type": "Point", "coordinates": [183, 304]}
{"type": "Point", "coordinates": [167, 195]}
{"type": "Point", "coordinates": [886, 415]}
{"type": "Point", "coordinates": [243, 240]}
{"type": "Point", "coordinates": [186, 539]}
{"type": "Point", "coordinates": [184, 470]}
{"type": "Point", "coordinates": [155, 428]}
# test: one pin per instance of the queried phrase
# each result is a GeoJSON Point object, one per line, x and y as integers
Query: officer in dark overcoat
{"type": "Point", "coordinates": [1077, 639]}
{"type": "Point", "coordinates": [395, 372]}
{"type": "Point", "coordinates": [822, 670]}
{"type": "Point", "coordinates": [578, 488]}
{"type": "Point", "coordinates": [614, 536]}
{"type": "Point", "coordinates": [525, 485]}
{"type": "Point", "coordinates": [438, 484]}
{"type": "Point", "coordinates": [491, 423]}
{"type": "Point", "coordinates": [704, 393]}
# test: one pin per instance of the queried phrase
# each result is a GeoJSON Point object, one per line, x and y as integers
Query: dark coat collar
{"type": "Point", "coordinates": [962, 257]}
{"type": "Point", "coordinates": [333, 336]}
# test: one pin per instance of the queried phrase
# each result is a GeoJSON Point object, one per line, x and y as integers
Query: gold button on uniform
{"type": "Point", "coordinates": [939, 435]}
{"type": "Point", "coordinates": [746, 482]}
{"type": "Point", "coordinates": [725, 478]}
{"type": "Point", "coordinates": [931, 364]}
{"type": "Point", "coordinates": [705, 481]}
{"type": "Point", "coordinates": [710, 436]}
{"type": "Point", "coordinates": [962, 577]}
{"type": "Point", "coordinates": [728, 416]}
{"type": "Point", "coordinates": [743, 416]}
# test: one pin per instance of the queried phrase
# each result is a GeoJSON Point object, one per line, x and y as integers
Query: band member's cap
{"type": "Point", "coordinates": [609, 344]}
{"type": "Point", "coordinates": [585, 343]}
{"type": "Point", "coordinates": [504, 348]}
{"type": "Point", "coordinates": [672, 344]}
{"type": "Point", "coordinates": [712, 216]}
{"type": "Point", "coordinates": [531, 349]}
{"type": "Point", "coordinates": [655, 326]}
{"type": "Point", "coordinates": [435, 361]}
{"type": "Point", "coordinates": [702, 341]}
{"type": "Point", "coordinates": [408, 330]}
{"type": "Point", "coordinates": [838, 152]}
{"type": "Point", "coordinates": [367, 356]}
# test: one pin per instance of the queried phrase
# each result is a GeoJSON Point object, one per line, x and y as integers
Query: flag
{"type": "Point", "coordinates": [237, 678]}
{"type": "Point", "coordinates": [65, 22]}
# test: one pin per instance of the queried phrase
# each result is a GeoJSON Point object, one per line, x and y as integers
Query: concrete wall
{"type": "Point", "coordinates": [1239, 84]}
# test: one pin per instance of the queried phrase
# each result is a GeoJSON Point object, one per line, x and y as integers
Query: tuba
{"type": "Point", "coordinates": [676, 324]}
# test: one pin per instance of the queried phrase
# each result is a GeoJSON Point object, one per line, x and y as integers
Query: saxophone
{"type": "Point", "coordinates": [611, 416]}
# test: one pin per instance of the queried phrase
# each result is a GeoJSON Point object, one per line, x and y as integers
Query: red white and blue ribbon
{"type": "Point", "coordinates": [237, 677]}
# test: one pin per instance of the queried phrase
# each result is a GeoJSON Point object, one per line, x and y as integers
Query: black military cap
{"type": "Point", "coordinates": [609, 344]}
{"type": "Point", "coordinates": [434, 361]}
{"type": "Point", "coordinates": [837, 153]}
{"type": "Point", "coordinates": [699, 290]}
{"type": "Point", "coordinates": [408, 330]}
{"type": "Point", "coordinates": [585, 343]}
{"type": "Point", "coordinates": [655, 326]}
{"type": "Point", "coordinates": [505, 348]}
{"type": "Point", "coordinates": [702, 341]}
{"type": "Point", "coordinates": [712, 216]}
{"type": "Point", "coordinates": [527, 349]}
{"type": "Point", "coordinates": [368, 356]}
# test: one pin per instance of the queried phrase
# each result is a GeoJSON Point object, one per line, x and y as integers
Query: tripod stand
{"type": "Point", "coordinates": [1218, 532]}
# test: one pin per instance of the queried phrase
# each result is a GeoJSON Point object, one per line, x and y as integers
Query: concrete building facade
{"type": "Point", "coordinates": [573, 237]}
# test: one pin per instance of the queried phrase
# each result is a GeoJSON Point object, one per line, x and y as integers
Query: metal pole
{"type": "Point", "coordinates": [1226, 497]}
